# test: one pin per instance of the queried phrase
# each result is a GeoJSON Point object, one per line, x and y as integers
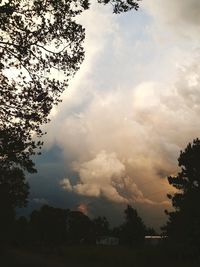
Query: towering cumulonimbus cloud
{"type": "Point", "coordinates": [121, 135]}
{"type": "Point", "coordinates": [141, 134]}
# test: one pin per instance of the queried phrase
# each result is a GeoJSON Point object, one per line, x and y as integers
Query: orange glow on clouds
{"type": "Point", "coordinates": [83, 208]}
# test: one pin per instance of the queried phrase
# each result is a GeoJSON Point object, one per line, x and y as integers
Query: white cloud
{"type": "Point", "coordinates": [105, 176]}
{"type": "Point", "coordinates": [181, 16]}
{"type": "Point", "coordinates": [98, 175]}
{"type": "Point", "coordinates": [65, 184]}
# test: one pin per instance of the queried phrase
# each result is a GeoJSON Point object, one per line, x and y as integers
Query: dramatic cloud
{"type": "Point", "coordinates": [99, 176]}
{"type": "Point", "coordinates": [82, 207]}
{"type": "Point", "coordinates": [134, 104]}
{"type": "Point", "coordinates": [106, 176]}
{"type": "Point", "coordinates": [138, 133]}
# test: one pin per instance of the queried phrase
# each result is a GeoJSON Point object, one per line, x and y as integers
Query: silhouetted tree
{"type": "Point", "coordinates": [48, 225]}
{"type": "Point", "coordinates": [132, 231]}
{"type": "Point", "coordinates": [100, 227]}
{"type": "Point", "coordinates": [14, 191]}
{"type": "Point", "coordinates": [120, 6]}
{"type": "Point", "coordinates": [38, 39]}
{"type": "Point", "coordinates": [7, 215]}
{"type": "Point", "coordinates": [79, 227]}
{"type": "Point", "coordinates": [150, 231]}
{"type": "Point", "coordinates": [21, 233]}
{"type": "Point", "coordinates": [14, 181]}
{"type": "Point", "coordinates": [184, 222]}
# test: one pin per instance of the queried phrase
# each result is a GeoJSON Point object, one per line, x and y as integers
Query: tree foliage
{"type": "Point", "coordinates": [100, 227]}
{"type": "Point", "coordinates": [7, 214]}
{"type": "Point", "coordinates": [78, 227]}
{"type": "Point", "coordinates": [14, 182]}
{"type": "Point", "coordinates": [14, 191]}
{"type": "Point", "coordinates": [38, 39]}
{"type": "Point", "coordinates": [184, 222]}
{"type": "Point", "coordinates": [120, 6]}
{"type": "Point", "coordinates": [48, 225]}
{"type": "Point", "coordinates": [132, 231]}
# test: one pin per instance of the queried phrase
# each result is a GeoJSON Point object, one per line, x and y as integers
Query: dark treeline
{"type": "Point", "coordinates": [52, 226]}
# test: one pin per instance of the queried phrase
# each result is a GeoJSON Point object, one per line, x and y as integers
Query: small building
{"type": "Point", "coordinates": [153, 240]}
{"type": "Point", "coordinates": [107, 241]}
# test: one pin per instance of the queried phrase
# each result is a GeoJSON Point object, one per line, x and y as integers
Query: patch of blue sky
{"type": "Point", "coordinates": [51, 155]}
{"type": "Point", "coordinates": [44, 185]}
{"type": "Point", "coordinates": [137, 21]}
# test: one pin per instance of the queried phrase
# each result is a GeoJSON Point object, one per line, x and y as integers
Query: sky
{"type": "Point", "coordinates": [127, 113]}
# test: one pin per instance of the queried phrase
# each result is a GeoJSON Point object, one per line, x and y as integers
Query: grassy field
{"type": "Point", "coordinates": [125, 257]}
{"type": "Point", "coordinates": [94, 256]}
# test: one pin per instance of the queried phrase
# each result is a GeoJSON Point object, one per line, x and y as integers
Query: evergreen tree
{"type": "Point", "coordinates": [183, 224]}
{"type": "Point", "coordinates": [132, 231]}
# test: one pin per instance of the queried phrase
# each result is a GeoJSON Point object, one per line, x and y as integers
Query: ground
{"type": "Point", "coordinates": [92, 256]}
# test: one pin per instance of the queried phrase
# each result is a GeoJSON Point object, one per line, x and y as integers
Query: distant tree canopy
{"type": "Point", "coordinates": [14, 191]}
{"type": "Point", "coordinates": [78, 227]}
{"type": "Point", "coordinates": [7, 214]}
{"type": "Point", "coordinates": [184, 222]}
{"type": "Point", "coordinates": [53, 226]}
{"type": "Point", "coordinates": [100, 227]}
{"type": "Point", "coordinates": [50, 226]}
{"type": "Point", "coordinates": [41, 47]}
{"type": "Point", "coordinates": [132, 231]}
